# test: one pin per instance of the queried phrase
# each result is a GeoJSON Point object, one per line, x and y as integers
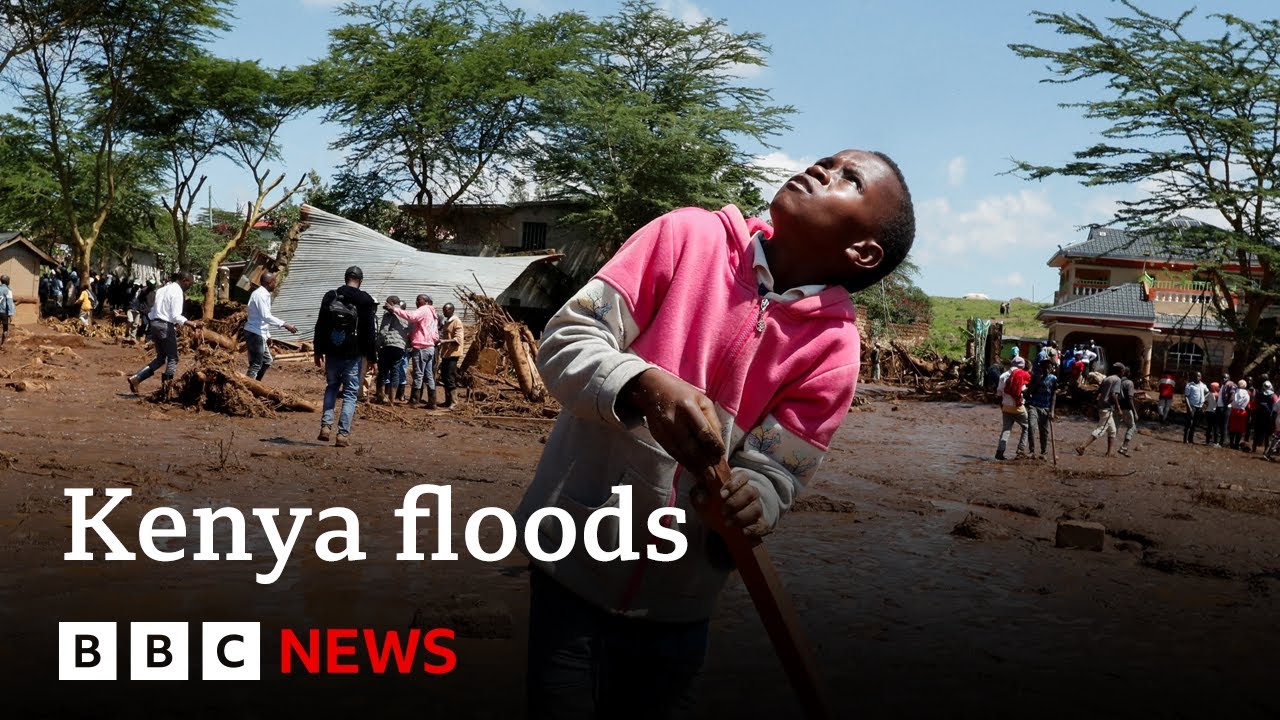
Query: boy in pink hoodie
{"type": "Point", "coordinates": [707, 336]}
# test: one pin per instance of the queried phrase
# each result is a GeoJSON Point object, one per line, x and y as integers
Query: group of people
{"type": "Point", "coordinates": [348, 342]}
{"type": "Point", "coordinates": [62, 293]}
{"type": "Point", "coordinates": [1241, 414]}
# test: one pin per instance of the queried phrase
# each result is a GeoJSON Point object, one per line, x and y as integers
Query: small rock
{"type": "Point", "coordinates": [1231, 486]}
{"type": "Point", "coordinates": [1081, 534]}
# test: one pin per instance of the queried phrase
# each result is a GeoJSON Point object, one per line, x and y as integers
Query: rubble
{"type": "Point", "coordinates": [499, 373]}
{"type": "Point", "coordinates": [216, 383]}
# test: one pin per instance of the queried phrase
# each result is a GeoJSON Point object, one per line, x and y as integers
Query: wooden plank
{"type": "Point", "coordinates": [774, 605]}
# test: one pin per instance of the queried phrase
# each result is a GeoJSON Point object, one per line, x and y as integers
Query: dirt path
{"type": "Point", "coordinates": [1178, 613]}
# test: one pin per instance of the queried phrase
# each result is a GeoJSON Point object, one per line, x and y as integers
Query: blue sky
{"type": "Point", "coordinates": [932, 83]}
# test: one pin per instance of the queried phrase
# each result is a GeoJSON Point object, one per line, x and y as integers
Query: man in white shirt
{"type": "Point", "coordinates": [256, 332]}
{"type": "Point", "coordinates": [1195, 393]}
{"type": "Point", "coordinates": [166, 317]}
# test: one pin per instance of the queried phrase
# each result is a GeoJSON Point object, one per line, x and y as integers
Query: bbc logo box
{"type": "Point", "coordinates": [160, 651]}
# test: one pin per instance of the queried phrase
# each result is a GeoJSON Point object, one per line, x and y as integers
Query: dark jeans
{"type": "Point", "coordinates": [585, 662]}
{"type": "Point", "coordinates": [391, 366]}
{"type": "Point", "coordinates": [1193, 417]}
{"type": "Point", "coordinates": [1263, 426]}
{"type": "Point", "coordinates": [259, 354]}
{"type": "Point", "coordinates": [1213, 426]}
{"type": "Point", "coordinates": [449, 372]}
{"type": "Point", "coordinates": [165, 336]}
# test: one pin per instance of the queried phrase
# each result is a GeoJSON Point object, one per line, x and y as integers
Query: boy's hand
{"type": "Point", "coordinates": [681, 419]}
{"type": "Point", "coordinates": [739, 508]}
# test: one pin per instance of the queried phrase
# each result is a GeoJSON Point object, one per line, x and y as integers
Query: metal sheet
{"type": "Point", "coordinates": [331, 244]}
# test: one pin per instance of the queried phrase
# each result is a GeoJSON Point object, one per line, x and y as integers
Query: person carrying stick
{"type": "Point", "coordinates": [709, 336]}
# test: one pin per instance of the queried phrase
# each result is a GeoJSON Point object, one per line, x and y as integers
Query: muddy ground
{"type": "Point", "coordinates": [1178, 615]}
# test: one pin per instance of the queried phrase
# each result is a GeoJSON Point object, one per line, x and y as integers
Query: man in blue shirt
{"type": "Point", "coordinates": [1040, 403]}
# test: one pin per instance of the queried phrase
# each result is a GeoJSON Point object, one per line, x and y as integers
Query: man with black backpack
{"type": "Point", "coordinates": [345, 333]}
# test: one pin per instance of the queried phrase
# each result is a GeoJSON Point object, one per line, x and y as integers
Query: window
{"type": "Point", "coordinates": [533, 236]}
{"type": "Point", "coordinates": [1184, 355]}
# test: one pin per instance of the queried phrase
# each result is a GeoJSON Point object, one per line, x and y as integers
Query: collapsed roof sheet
{"type": "Point", "coordinates": [330, 244]}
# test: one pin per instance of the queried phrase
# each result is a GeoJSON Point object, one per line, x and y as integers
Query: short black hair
{"type": "Point", "coordinates": [354, 273]}
{"type": "Point", "coordinates": [896, 237]}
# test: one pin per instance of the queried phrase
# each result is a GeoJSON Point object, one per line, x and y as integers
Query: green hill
{"type": "Point", "coordinates": [950, 315]}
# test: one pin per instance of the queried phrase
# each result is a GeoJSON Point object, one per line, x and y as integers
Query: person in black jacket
{"type": "Point", "coordinates": [345, 333]}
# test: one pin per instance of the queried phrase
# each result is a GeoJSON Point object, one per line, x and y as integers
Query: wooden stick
{"type": "Point", "coordinates": [1053, 406]}
{"type": "Point", "coordinates": [775, 607]}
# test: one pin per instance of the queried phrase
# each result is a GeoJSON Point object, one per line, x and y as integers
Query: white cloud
{"type": "Point", "coordinates": [781, 166]}
{"type": "Point", "coordinates": [994, 224]}
{"type": "Point", "coordinates": [957, 169]}
{"type": "Point", "coordinates": [1014, 279]}
{"type": "Point", "coordinates": [683, 10]}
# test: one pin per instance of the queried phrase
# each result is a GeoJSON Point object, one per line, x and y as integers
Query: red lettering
{"type": "Point", "coordinates": [404, 653]}
{"type": "Point", "coordinates": [310, 657]}
{"type": "Point", "coordinates": [335, 651]}
{"type": "Point", "coordinates": [449, 660]}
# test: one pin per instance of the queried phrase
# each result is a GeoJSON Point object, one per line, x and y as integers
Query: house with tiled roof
{"type": "Point", "coordinates": [1144, 303]}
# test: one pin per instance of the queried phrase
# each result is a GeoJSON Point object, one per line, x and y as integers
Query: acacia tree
{"type": "Point", "coordinates": [268, 99]}
{"type": "Point", "coordinates": [435, 101]}
{"type": "Point", "coordinates": [49, 17]}
{"type": "Point", "coordinates": [654, 121]}
{"type": "Point", "coordinates": [82, 83]}
{"type": "Point", "coordinates": [191, 121]}
{"type": "Point", "coordinates": [1198, 121]}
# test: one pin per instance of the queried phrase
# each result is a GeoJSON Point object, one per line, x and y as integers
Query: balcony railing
{"type": "Point", "coordinates": [1081, 288]}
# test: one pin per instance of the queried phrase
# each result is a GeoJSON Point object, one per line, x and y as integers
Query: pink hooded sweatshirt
{"type": "Point", "coordinates": [683, 295]}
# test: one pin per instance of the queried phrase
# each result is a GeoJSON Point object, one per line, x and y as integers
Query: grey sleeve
{"type": "Point", "coordinates": [583, 356]}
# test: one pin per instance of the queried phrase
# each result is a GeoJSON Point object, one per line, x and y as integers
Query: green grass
{"type": "Point", "coordinates": [951, 315]}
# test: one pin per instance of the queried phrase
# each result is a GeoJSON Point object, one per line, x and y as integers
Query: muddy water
{"type": "Point", "coordinates": [1177, 615]}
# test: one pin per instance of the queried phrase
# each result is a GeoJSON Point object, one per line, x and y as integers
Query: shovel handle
{"type": "Point", "coordinates": [774, 606]}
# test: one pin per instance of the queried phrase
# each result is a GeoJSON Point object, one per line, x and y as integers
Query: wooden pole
{"type": "Point", "coordinates": [775, 607]}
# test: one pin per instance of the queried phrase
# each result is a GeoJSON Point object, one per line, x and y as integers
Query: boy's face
{"type": "Point", "coordinates": [838, 208]}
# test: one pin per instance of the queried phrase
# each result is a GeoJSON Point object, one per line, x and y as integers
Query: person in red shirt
{"type": "Point", "coordinates": [1012, 408]}
{"type": "Point", "coordinates": [1167, 386]}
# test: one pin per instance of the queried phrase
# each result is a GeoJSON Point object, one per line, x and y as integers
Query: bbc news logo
{"type": "Point", "coordinates": [159, 651]}
{"type": "Point", "coordinates": [232, 651]}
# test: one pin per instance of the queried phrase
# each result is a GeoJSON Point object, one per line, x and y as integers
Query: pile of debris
{"type": "Point", "coordinates": [111, 328]}
{"type": "Point", "coordinates": [499, 371]}
{"type": "Point", "coordinates": [934, 377]}
{"type": "Point", "coordinates": [216, 382]}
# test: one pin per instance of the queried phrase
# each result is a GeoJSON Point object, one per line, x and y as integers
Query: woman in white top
{"type": "Point", "coordinates": [1239, 414]}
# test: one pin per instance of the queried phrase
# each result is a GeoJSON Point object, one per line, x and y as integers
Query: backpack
{"type": "Point", "coordinates": [342, 316]}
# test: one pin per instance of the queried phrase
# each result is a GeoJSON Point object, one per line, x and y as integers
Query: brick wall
{"type": "Point", "coordinates": [909, 336]}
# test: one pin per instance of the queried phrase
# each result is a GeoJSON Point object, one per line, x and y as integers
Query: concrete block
{"type": "Point", "coordinates": [1081, 534]}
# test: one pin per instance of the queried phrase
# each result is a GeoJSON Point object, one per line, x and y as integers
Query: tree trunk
{"type": "Point", "coordinates": [211, 277]}
{"type": "Point", "coordinates": [215, 338]}
{"type": "Point", "coordinates": [522, 362]}
{"type": "Point", "coordinates": [284, 400]}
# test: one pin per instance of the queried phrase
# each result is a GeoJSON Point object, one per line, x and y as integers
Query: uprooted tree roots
{"type": "Point", "coordinates": [215, 383]}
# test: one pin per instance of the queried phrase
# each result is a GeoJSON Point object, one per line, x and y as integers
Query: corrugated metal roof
{"type": "Point", "coordinates": [331, 244]}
